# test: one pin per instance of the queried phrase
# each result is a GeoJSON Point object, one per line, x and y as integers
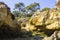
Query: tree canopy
{"type": "Point", "coordinates": [33, 7]}
{"type": "Point", "coordinates": [22, 10]}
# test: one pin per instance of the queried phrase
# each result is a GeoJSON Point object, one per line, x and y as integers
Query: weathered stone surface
{"type": "Point", "coordinates": [50, 18]}
{"type": "Point", "coordinates": [54, 36]}
{"type": "Point", "coordinates": [8, 25]}
{"type": "Point", "coordinates": [6, 16]}
{"type": "Point", "coordinates": [57, 4]}
{"type": "Point", "coordinates": [47, 21]}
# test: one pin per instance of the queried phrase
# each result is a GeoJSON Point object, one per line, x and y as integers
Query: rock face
{"type": "Point", "coordinates": [57, 4]}
{"type": "Point", "coordinates": [6, 16]}
{"type": "Point", "coordinates": [50, 18]}
{"type": "Point", "coordinates": [55, 36]}
{"type": "Point", "coordinates": [47, 21]}
{"type": "Point", "coordinates": [8, 24]}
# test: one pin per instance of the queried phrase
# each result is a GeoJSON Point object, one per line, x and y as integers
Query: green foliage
{"type": "Point", "coordinates": [30, 14]}
{"type": "Point", "coordinates": [45, 9]}
{"type": "Point", "coordinates": [24, 11]}
{"type": "Point", "coordinates": [19, 6]}
{"type": "Point", "coordinates": [22, 14]}
{"type": "Point", "coordinates": [33, 6]}
{"type": "Point", "coordinates": [41, 34]}
{"type": "Point", "coordinates": [16, 13]}
{"type": "Point", "coordinates": [25, 33]}
{"type": "Point", "coordinates": [19, 10]}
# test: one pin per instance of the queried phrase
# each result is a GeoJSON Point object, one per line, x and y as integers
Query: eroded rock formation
{"type": "Point", "coordinates": [54, 36]}
{"type": "Point", "coordinates": [8, 24]}
{"type": "Point", "coordinates": [47, 21]}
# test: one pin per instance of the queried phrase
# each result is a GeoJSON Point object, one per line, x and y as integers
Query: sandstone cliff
{"type": "Point", "coordinates": [50, 18]}
{"type": "Point", "coordinates": [47, 21]}
{"type": "Point", "coordinates": [8, 25]}
{"type": "Point", "coordinates": [5, 15]}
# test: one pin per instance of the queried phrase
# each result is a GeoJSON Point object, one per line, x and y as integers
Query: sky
{"type": "Point", "coordinates": [43, 3]}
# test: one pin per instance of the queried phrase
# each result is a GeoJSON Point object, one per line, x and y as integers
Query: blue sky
{"type": "Point", "coordinates": [43, 3]}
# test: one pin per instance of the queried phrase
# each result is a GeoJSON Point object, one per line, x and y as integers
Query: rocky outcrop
{"type": "Point", "coordinates": [8, 24]}
{"type": "Point", "coordinates": [50, 18]}
{"type": "Point", "coordinates": [57, 4]}
{"type": "Point", "coordinates": [54, 36]}
{"type": "Point", "coordinates": [5, 15]}
{"type": "Point", "coordinates": [47, 21]}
